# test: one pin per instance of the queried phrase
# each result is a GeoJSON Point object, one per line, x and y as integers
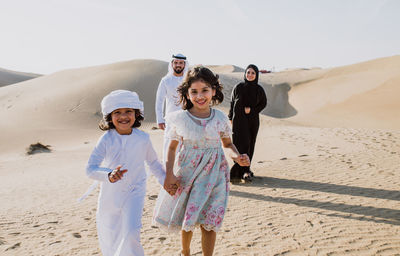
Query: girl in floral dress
{"type": "Point", "coordinates": [200, 171]}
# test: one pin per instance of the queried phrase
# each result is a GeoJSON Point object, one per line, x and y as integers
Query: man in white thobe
{"type": "Point", "coordinates": [167, 93]}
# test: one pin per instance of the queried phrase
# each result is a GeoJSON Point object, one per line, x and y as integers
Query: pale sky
{"type": "Point", "coordinates": [45, 36]}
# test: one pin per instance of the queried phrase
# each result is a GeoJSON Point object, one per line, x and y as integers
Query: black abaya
{"type": "Point", "coordinates": [245, 126]}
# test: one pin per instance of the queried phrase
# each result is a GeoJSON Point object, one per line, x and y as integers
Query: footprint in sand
{"type": "Point", "coordinates": [77, 235]}
{"type": "Point", "coordinates": [15, 246]}
{"type": "Point", "coordinates": [302, 155]}
{"type": "Point", "coordinates": [153, 197]}
{"type": "Point", "coordinates": [2, 241]}
{"type": "Point", "coordinates": [162, 239]}
{"type": "Point", "coordinates": [56, 242]}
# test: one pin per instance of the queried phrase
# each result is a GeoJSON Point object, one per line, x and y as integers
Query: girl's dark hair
{"type": "Point", "coordinates": [107, 124]}
{"type": "Point", "coordinates": [203, 74]}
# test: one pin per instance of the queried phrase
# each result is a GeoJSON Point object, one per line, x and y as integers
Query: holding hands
{"type": "Point", "coordinates": [171, 184]}
{"type": "Point", "coordinates": [161, 126]}
{"type": "Point", "coordinates": [116, 174]}
{"type": "Point", "coordinates": [242, 160]}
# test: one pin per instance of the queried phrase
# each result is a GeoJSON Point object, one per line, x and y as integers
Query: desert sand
{"type": "Point", "coordinates": [326, 162]}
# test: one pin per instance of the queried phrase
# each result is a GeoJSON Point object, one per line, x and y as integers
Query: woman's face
{"type": "Point", "coordinates": [250, 74]}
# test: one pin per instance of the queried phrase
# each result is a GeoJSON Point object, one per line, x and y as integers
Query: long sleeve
{"type": "Point", "coordinates": [93, 169]}
{"type": "Point", "coordinates": [160, 98]}
{"type": "Point", "coordinates": [262, 100]}
{"type": "Point", "coordinates": [154, 164]}
{"type": "Point", "coordinates": [233, 96]}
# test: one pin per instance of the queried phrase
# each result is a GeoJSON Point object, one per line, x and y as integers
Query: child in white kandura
{"type": "Point", "coordinates": [117, 162]}
{"type": "Point", "coordinates": [201, 171]}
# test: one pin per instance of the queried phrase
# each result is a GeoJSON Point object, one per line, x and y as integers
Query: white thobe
{"type": "Point", "coordinates": [120, 204]}
{"type": "Point", "coordinates": [167, 92]}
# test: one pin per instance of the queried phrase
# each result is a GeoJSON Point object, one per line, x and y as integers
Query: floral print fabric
{"type": "Point", "coordinates": [203, 172]}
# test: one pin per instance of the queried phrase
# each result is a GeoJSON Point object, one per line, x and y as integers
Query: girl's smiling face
{"type": "Point", "coordinates": [123, 120]}
{"type": "Point", "coordinates": [200, 94]}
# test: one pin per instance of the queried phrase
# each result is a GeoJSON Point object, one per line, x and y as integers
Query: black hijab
{"type": "Point", "coordinates": [250, 88]}
{"type": "Point", "coordinates": [254, 67]}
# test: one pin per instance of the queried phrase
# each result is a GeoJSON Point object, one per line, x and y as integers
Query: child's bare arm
{"type": "Point", "coordinates": [171, 183]}
{"type": "Point", "coordinates": [241, 159]}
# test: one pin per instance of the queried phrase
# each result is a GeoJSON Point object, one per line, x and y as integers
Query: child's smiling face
{"type": "Point", "coordinates": [200, 94]}
{"type": "Point", "coordinates": [123, 120]}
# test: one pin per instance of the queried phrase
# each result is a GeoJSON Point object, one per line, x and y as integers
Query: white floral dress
{"type": "Point", "coordinates": [203, 172]}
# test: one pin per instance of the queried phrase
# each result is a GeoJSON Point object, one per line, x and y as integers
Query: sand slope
{"type": "Point", "coordinates": [8, 77]}
{"type": "Point", "coordinates": [225, 68]}
{"type": "Point", "coordinates": [359, 95]}
{"type": "Point", "coordinates": [70, 99]}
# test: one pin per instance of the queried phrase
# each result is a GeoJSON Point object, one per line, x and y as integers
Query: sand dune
{"type": "Point", "coordinates": [359, 95]}
{"type": "Point", "coordinates": [225, 68]}
{"type": "Point", "coordinates": [350, 96]}
{"type": "Point", "coordinates": [326, 162]}
{"type": "Point", "coordinates": [8, 77]}
{"type": "Point", "coordinates": [70, 99]}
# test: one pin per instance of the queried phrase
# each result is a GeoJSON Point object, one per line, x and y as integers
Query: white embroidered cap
{"type": "Point", "coordinates": [120, 99]}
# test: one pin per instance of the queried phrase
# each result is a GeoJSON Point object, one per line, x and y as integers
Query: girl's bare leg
{"type": "Point", "coordinates": [208, 241]}
{"type": "Point", "coordinates": [186, 239]}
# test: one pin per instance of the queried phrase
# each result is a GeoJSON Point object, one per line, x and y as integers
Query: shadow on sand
{"type": "Point", "coordinates": [368, 213]}
{"type": "Point", "coordinates": [278, 101]}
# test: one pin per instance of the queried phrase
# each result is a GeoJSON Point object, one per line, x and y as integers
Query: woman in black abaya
{"type": "Point", "coordinates": [247, 101]}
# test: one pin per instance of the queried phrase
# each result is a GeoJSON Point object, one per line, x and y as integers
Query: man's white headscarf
{"type": "Point", "coordinates": [120, 99]}
{"type": "Point", "coordinates": [178, 56]}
